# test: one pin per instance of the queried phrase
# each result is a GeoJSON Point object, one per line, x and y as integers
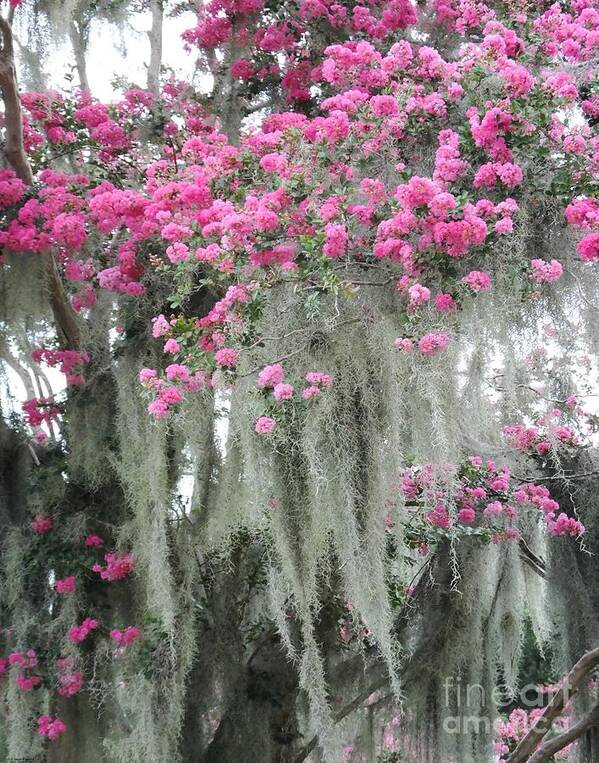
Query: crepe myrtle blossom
{"type": "Point", "coordinates": [66, 585]}
{"type": "Point", "coordinates": [283, 391]}
{"type": "Point", "coordinates": [270, 376]}
{"type": "Point", "coordinates": [127, 636]}
{"type": "Point", "coordinates": [69, 683]}
{"type": "Point", "coordinates": [226, 357]}
{"type": "Point", "coordinates": [78, 633]}
{"type": "Point", "coordinates": [50, 727]}
{"type": "Point", "coordinates": [171, 346]}
{"type": "Point", "coordinates": [588, 247]}
{"type": "Point", "coordinates": [547, 272]}
{"type": "Point", "coordinates": [320, 379]}
{"type": "Point", "coordinates": [25, 661]}
{"type": "Point", "coordinates": [42, 524]}
{"type": "Point", "coordinates": [94, 541]}
{"type": "Point", "coordinates": [433, 343]}
{"type": "Point", "coordinates": [28, 683]}
{"type": "Point", "coordinates": [265, 425]}
{"type": "Point", "coordinates": [404, 343]}
{"type": "Point", "coordinates": [118, 566]}
{"type": "Point", "coordinates": [477, 280]}
{"type": "Point", "coordinates": [482, 495]}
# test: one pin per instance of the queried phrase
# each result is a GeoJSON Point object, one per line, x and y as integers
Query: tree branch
{"type": "Point", "coordinates": [16, 157]}
{"type": "Point", "coordinates": [13, 122]}
{"type": "Point", "coordinates": [568, 688]}
{"type": "Point", "coordinates": [155, 37]}
{"type": "Point", "coordinates": [549, 748]}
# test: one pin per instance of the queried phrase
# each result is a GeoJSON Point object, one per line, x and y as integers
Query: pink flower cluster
{"type": "Point", "coordinates": [547, 272]}
{"type": "Point", "coordinates": [41, 524]}
{"type": "Point", "coordinates": [509, 732]}
{"type": "Point", "coordinates": [39, 411]}
{"type": "Point", "coordinates": [50, 727]}
{"type": "Point", "coordinates": [271, 377]}
{"type": "Point", "coordinates": [94, 541]}
{"type": "Point", "coordinates": [28, 683]}
{"type": "Point", "coordinates": [66, 360]}
{"type": "Point", "coordinates": [430, 344]}
{"type": "Point", "coordinates": [583, 213]}
{"type": "Point", "coordinates": [118, 566]}
{"type": "Point", "coordinates": [182, 381]}
{"type": "Point", "coordinates": [538, 439]}
{"type": "Point", "coordinates": [26, 662]}
{"type": "Point", "coordinates": [480, 494]}
{"type": "Point", "coordinates": [69, 682]}
{"type": "Point", "coordinates": [78, 633]}
{"type": "Point", "coordinates": [127, 636]}
{"type": "Point", "coordinates": [66, 585]}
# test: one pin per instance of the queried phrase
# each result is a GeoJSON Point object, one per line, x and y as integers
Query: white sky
{"type": "Point", "coordinates": [106, 59]}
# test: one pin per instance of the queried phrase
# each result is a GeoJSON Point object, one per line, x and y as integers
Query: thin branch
{"type": "Point", "coordinates": [558, 478]}
{"type": "Point", "coordinates": [549, 748]}
{"type": "Point", "coordinates": [342, 713]}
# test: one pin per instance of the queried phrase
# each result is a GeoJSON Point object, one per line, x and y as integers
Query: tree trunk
{"type": "Point", "coordinates": [155, 35]}
{"type": "Point", "coordinates": [77, 37]}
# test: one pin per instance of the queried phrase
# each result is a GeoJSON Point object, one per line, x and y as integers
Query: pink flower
{"type": "Point", "coordinates": [318, 378]}
{"type": "Point", "coordinates": [403, 343]}
{"type": "Point", "coordinates": [565, 525]}
{"type": "Point", "coordinates": [177, 372]}
{"type": "Point", "coordinates": [171, 346]}
{"type": "Point", "coordinates": [310, 392]}
{"type": "Point", "coordinates": [70, 684]}
{"type": "Point", "coordinates": [510, 174]}
{"type": "Point", "coordinates": [418, 295]}
{"type": "Point", "coordinates": [265, 425]}
{"type": "Point", "coordinates": [432, 343]}
{"type": "Point", "coordinates": [28, 683]}
{"type": "Point", "coordinates": [94, 541]}
{"type": "Point", "coordinates": [504, 225]}
{"type": "Point", "coordinates": [50, 727]}
{"type": "Point", "coordinates": [546, 271]}
{"type": "Point", "coordinates": [118, 566]}
{"type": "Point", "coordinates": [160, 326]}
{"type": "Point", "coordinates": [466, 516]}
{"type": "Point", "coordinates": [588, 247]}
{"type": "Point", "coordinates": [445, 303]}
{"type": "Point", "coordinates": [79, 633]}
{"type": "Point", "coordinates": [177, 252]}
{"type": "Point", "coordinates": [270, 376]}
{"type": "Point", "coordinates": [494, 509]}
{"type": "Point", "coordinates": [283, 391]}
{"type": "Point", "coordinates": [127, 636]}
{"type": "Point", "coordinates": [477, 280]}
{"type": "Point", "coordinates": [67, 585]}
{"type": "Point", "coordinates": [226, 357]}
{"type": "Point", "coordinates": [274, 162]}
{"type": "Point", "coordinates": [384, 106]}
{"type": "Point", "coordinates": [41, 525]}
{"type": "Point", "coordinates": [335, 240]}
{"type": "Point", "coordinates": [147, 376]}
